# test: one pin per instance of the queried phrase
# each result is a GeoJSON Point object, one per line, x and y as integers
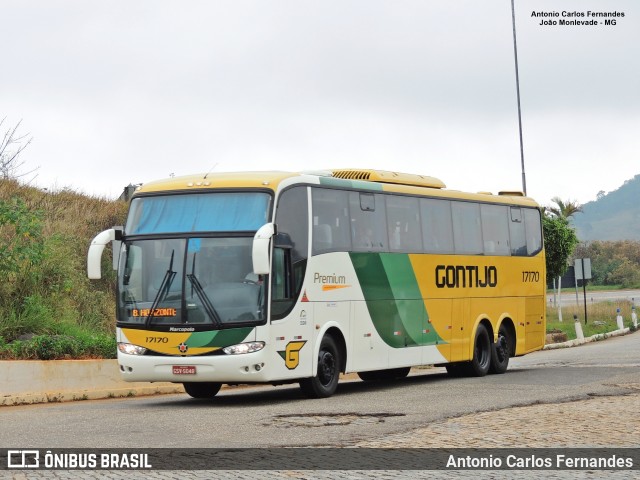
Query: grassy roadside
{"type": "Point", "coordinates": [48, 307]}
{"type": "Point", "coordinates": [601, 318]}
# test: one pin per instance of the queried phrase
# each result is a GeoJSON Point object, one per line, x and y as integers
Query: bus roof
{"type": "Point", "coordinates": [268, 180]}
{"type": "Point", "coordinates": [367, 179]}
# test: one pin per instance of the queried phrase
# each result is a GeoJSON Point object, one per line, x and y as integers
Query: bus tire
{"type": "Point", "coordinates": [456, 370]}
{"type": "Point", "coordinates": [500, 352]}
{"type": "Point", "coordinates": [202, 389]}
{"type": "Point", "coordinates": [400, 372]}
{"type": "Point", "coordinates": [325, 382]}
{"type": "Point", "coordinates": [481, 361]}
{"type": "Point", "coordinates": [390, 374]}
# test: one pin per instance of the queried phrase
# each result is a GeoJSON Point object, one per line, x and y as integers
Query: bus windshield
{"type": "Point", "coordinates": [201, 281]}
{"type": "Point", "coordinates": [186, 258]}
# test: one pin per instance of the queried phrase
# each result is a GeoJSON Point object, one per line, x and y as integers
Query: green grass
{"type": "Point", "coordinates": [601, 318]}
{"type": "Point", "coordinates": [590, 288]}
{"type": "Point", "coordinates": [48, 307]}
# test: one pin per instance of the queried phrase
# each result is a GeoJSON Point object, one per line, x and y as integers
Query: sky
{"type": "Point", "coordinates": [123, 91]}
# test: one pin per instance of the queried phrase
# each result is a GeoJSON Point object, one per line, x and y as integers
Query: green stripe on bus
{"type": "Point", "coordinates": [218, 338]}
{"type": "Point", "coordinates": [393, 299]}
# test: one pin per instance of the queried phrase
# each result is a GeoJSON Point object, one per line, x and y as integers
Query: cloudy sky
{"type": "Point", "coordinates": [123, 91]}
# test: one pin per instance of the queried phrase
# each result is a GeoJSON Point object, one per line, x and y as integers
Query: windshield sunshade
{"type": "Point", "coordinates": [202, 212]}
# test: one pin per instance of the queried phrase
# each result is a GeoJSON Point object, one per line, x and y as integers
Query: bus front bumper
{"type": "Point", "coordinates": [244, 368]}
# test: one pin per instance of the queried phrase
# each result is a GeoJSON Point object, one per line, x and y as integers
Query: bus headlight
{"type": "Point", "coordinates": [131, 349]}
{"type": "Point", "coordinates": [240, 348]}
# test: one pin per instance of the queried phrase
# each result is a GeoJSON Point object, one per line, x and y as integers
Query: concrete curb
{"type": "Point", "coordinates": [593, 338]}
{"type": "Point", "coordinates": [42, 381]}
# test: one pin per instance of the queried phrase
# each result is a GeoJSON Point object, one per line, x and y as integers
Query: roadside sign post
{"type": "Point", "coordinates": [583, 272]}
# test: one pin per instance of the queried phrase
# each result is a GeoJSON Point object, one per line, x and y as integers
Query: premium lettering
{"type": "Point", "coordinates": [337, 279]}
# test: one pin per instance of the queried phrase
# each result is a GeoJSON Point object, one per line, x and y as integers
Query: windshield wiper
{"type": "Point", "coordinates": [206, 303]}
{"type": "Point", "coordinates": [163, 291]}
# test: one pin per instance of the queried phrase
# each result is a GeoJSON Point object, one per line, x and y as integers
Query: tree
{"type": "Point", "coordinates": [560, 241]}
{"type": "Point", "coordinates": [564, 209]}
{"type": "Point", "coordinates": [11, 147]}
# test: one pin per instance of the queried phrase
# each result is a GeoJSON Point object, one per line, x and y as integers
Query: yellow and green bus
{"type": "Point", "coordinates": [273, 277]}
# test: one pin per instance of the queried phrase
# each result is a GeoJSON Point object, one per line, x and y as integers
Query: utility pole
{"type": "Point", "coordinates": [515, 55]}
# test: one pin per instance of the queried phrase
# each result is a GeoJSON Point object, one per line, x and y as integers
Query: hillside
{"type": "Point", "coordinates": [614, 216]}
{"type": "Point", "coordinates": [44, 238]}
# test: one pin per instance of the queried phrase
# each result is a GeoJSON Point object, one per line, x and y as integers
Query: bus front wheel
{"type": "Point", "coordinates": [202, 389]}
{"type": "Point", "coordinates": [325, 383]}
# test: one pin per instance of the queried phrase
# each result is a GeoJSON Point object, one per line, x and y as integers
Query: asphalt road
{"type": "Point", "coordinates": [280, 416]}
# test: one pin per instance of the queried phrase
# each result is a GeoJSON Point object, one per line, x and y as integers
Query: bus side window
{"type": "Point", "coordinates": [322, 237]}
{"type": "Point", "coordinates": [331, 226]}
{"type": "Point", "coordinates": [290, 252]}
{"type": "Point", "coordinates": [533, 229]}
{"type": "Point", "coordinates": [437, 229]}
{"type": "Point", "coordinates": [279, 284]}
{"type": "Point", "coordinates": [467, 231]}
{"type": "Point", "coordinates": [367, 218]}
{"type": "Point", "coordinates": [517, 233]}
{"type": "Point", "coordinates": [495, 229]}
{"type": "Point", "coordinates": [403, 224]}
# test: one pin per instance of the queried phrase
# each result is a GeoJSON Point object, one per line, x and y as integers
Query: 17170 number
{"type": "Point", "coordinates": [530, 276]}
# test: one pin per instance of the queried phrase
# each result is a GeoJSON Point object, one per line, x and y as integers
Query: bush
{"type": "Point", "coordinates": [59, 347]}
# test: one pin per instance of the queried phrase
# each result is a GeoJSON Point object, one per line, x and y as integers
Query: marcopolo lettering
{"type": "Point", "coordinates": [466, 276]}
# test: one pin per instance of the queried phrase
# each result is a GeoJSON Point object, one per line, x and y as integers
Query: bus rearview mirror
{"type": "Point", "coordinates": [96, 248]}
{"type": "Point", "coordinates": [262, 248]}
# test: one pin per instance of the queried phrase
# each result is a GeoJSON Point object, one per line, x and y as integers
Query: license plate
{"type": "Point", "coordinates": [184, 370]}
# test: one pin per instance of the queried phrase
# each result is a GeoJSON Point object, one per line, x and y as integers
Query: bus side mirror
{"type": "Point", "coordinates": [262, 248]}
{"type": "Point", "coordinates": [96, 248]}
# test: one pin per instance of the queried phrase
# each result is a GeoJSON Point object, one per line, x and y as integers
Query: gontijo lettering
{"type": "Point", "coordinates": [466, 276]}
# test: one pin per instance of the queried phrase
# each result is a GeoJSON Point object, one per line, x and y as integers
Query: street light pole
{"type": "Point", "coordinates": [515, 55]}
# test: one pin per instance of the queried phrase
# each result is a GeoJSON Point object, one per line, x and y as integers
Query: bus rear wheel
{"type": "Point", "coordinates": [481, 361]}
{"type": "Point", "coordinates": [456, 370]}
{"type": "Point", "coordinates": [482, 357]}
{"type": "Point", "coordinates": [500, 352]}
{"type": "Point", "coordinates": [325, 383]}
{"type": "Point", "coordinates": [202, 389]}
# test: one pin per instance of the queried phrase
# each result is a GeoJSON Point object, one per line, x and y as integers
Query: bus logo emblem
{"type": "Point", "coordinates": [183, 347]}
{"type": "Point", "coordinates": [291, 354]}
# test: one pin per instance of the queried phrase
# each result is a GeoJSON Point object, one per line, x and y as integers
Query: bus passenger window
{"type": "Point", "coordinates": [322, 237]}
{"type": "Point", "coordinates": [467, 232]}
{"type": "Point", "coordinates": [495, 229]}
{"type": "Point", "coordinates": [367, 221]}
{"type": "Point", "coordinates": [437, 230]}
{"type": "Point", "coordinates": [516, 233]}
{"type": "Point", "coordinates": [403, 223]}
{"type": "Point", "coordinates": [533, 229]}
{"type": "Point", "coordinates": [331, 226]}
